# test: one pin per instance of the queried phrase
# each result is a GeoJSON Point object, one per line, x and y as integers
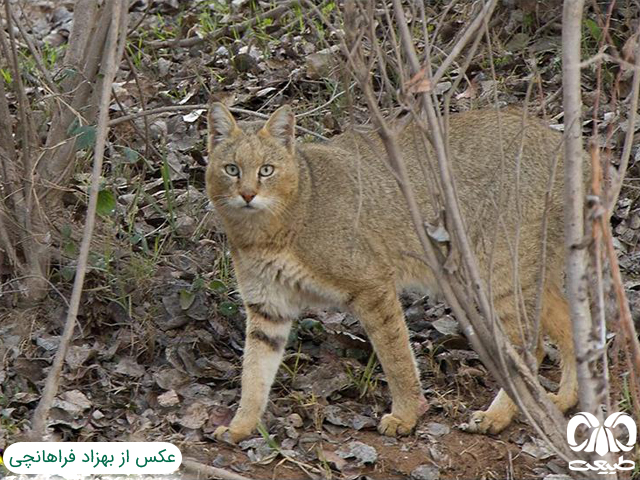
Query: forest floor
{"type": "Point", "coordinates": [157, 351]}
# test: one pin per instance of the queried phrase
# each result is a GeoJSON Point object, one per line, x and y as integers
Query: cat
{"type": "Point", "coordinates": [325, 225]}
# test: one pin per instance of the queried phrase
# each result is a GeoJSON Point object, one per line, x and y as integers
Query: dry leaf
{"type": "Point", "coordinates": [470, 92]}
{"type": "Point", "coordinates": [419, 82]}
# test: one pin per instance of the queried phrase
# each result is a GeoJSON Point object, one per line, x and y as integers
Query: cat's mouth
{"type": "Point", "coordinates": [239, 204]}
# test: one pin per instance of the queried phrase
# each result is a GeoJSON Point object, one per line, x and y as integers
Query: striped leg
{"type": "Point", "coordinates": [266, 338]}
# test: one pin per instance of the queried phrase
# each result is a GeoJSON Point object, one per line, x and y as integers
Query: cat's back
{"type": "Point", "coordinates": [496, 158]}
{"type": "Point", "coordinates": [490, 152]}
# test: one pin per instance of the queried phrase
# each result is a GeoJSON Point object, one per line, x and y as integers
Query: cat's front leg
{"type": "Point", "coordinates": [266, 338]}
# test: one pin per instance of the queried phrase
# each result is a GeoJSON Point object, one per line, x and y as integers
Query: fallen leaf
{"type": "Point", "coordinates": [419, 82]}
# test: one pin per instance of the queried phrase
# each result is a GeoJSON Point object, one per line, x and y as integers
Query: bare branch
{"type": "Point", "coordinates": [628, 141]}
{"type": "Point", "coordinates": [181, 108]}
{"type": "Point", "coordinates": [586, 348]}
{"type": "Point", "coordinates": [110, 67]}
{"type": "Point", "coordinates": [207, 471]}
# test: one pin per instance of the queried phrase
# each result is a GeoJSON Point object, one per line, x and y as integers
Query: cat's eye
{"type": "Point", "coordinates": [266, 170]}
{"type": "Point", "coordinates": [232, 170]}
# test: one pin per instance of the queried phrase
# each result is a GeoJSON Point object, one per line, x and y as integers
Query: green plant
{"type": "Point", "coordinates": [6, 75]}
{"type": "Point", "coordinates": [135, 52]}
{"type": "Point", "coordinates": [626, 403]}
{"type": "Point", "coordinates": [295, 368]}
{"type": "Point", "coordinates": [208, 23]}
{"type": "Point", "coordinates": [364, 381]}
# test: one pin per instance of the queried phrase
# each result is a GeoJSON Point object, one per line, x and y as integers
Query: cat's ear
{"type": "Point", "coordinates": [281, 126]}
{"type": "Point", "coordinates": [221, 124]}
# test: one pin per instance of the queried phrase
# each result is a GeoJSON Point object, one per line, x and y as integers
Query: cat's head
{"type": "Point", "coordinates": [251, 171]}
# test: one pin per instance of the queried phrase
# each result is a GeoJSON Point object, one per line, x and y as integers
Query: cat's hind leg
{"type": "Point", "coordinates": [381, 314]}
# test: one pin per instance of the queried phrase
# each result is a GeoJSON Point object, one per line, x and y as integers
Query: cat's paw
{"type": "Point", "coordinates": [230, 435]}
{"type": "Point", "coordinates": [392, 426]}
{"type": "Point", "coordinates": [486, 422]}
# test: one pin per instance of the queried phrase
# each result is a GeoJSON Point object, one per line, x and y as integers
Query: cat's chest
{"type": "Point", "coordinates": [282, 285]}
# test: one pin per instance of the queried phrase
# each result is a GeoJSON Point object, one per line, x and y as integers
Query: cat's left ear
{"type": "Point", "coordinates": [281, 126]}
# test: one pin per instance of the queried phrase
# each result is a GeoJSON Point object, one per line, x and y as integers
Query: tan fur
{"type": "Point", "coordinates": [330, 228]}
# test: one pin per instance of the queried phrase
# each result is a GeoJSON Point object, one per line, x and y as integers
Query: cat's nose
{"type": "Point", "coordinates": [248, 196]}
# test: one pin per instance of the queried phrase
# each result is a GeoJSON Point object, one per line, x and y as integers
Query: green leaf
{"type": "Point", "coordinates": [217, 286]}
{"type": "Point", "coordinates": [86, 135]}
{"type": "Point", "coordinates": [228, 309]}
{"type": "Point", "coordinates": [312, 325]}
{"type": "Point", "coordinates": [186, 299]}
{"type": "Point", "coordinates": [197, 284]}
{"type": "Point", "coordinates": [68, 273]}
{"type": "Point", "coordinates": [130, 154]}
{"type": "Point", "coordinates": [594, 29]}
{"type": "Point", "coordinates": [66, 232]}
{"type": "Point", "coordinates": [66, 73]}
{"type": "Point", "coordinates": [70, 248]}
{"type": "Point", "coordinates": [135, 238]}
{"type": "Point", "coordinates": [106, 203]}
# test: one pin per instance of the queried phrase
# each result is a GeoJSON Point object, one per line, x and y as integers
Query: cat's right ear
{"type": "Point", "coordinates": [221, 124]}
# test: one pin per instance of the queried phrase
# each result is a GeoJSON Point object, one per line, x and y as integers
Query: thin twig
{"type": "Point", "coordinates": [143, 102]}
{"type": "Point", "coordinates": [36, 54]}
{"type": "Point", "coordinates": [628, 141]}
{"type": "Point", "coordinates": [180, 108]}
{"type": "Point", "coordinates": [192, 465]}
{"type": "Point", "coordinates": [23, 109]}
{"type": "Point", "coordinates": [626, 321]}
{"type": "Point", "coordinates": [486, 12]}
{"type": "Point", "coordinates": [324, 105]}
{"type": "Point", "coordinates": [117, 27]}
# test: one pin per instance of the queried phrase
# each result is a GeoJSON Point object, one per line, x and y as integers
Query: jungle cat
{"type": "Point", "coordinates": [325, 225]}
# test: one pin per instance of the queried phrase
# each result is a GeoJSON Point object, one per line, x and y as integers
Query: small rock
{"type": "Point", "coordinates": [334, 415]}
{"type": "Point", "coordinates": [414, 313]}
{"type": "Point", "coordinates": [360, 421]}
{"type": "Point", "coordinates": [556, 476]}
{"type": "Point", "coordinates": [186, 226]}
{"type": "Point", "coordinates": [438, 455]}
{"type": "Point", "coordinates": [426, 472]}
{"type": "Point", "coordinates": [163, 66]}
{"type": "Point", "coordinates": [360, 451]}
{"type": "Point", "coordinates": [537, 449]}
{"type": "Point", "coordinates": [295, 420]}
{"type": "Point", "coordinates": [437, 429]}
{"type": "Point", "coordinates": [447, 326]}
{"type": "Point", "coordinates": [557, 467]}
{"type": "Point", "coordinates": [319, 64]}
{"type": "Point", "coordinates": [291, 432]}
